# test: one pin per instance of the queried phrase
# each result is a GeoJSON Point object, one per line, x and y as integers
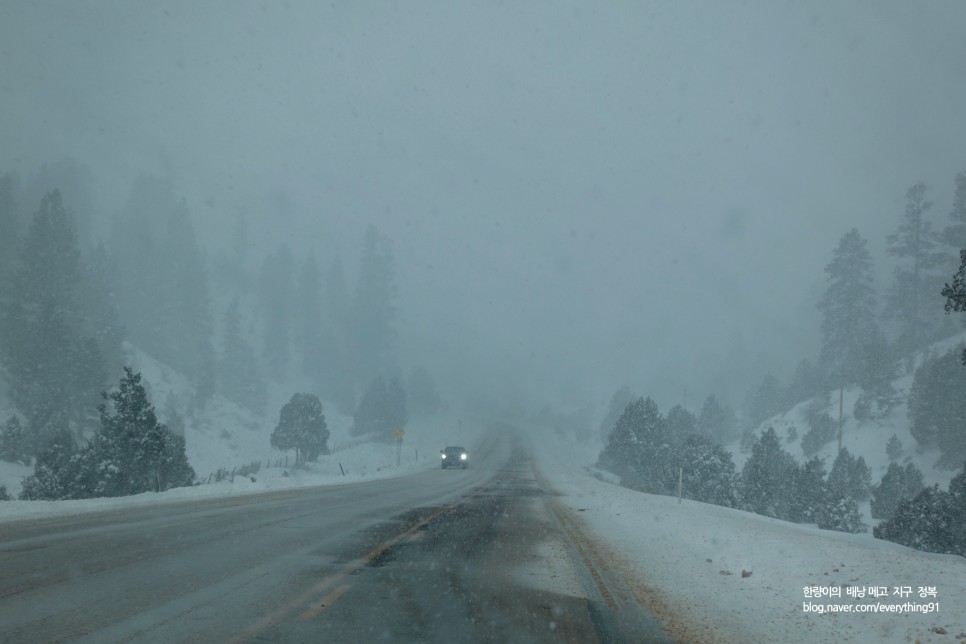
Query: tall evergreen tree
{"type": "Point", "coordinates": [276, 298]}
{"type": "Point", "coordinates": [186, 318]}
{"type": "Point", "coordinates": [421, 393]}
{"type": "Point", "coordinates": [937, 407]}
{"type": "Point", "coordinates": [765, 477]}
{"type": "Point", "coordinates": [806, 383]}
{"type": "Point", "coordinates": [717, 420]}
{"type": "Point", "coordinates": [162, 283]}
{"type": "Point", "coordinates": [848, 314]}
{"type": "Point", "coordinates": [913, 299]}
{"type": "Point", "coordinates": [810, 494]}
{"type": "Point", "coordinates": [239, 374]}
{"type": "Point", "coordinates": [897, 485]}
{"type": "Point", "coordinates": [14, 444]}
{"type": "Point", "coordinates": [73, 180]}
{"type": "Point", "coordinates": [396, 407]}
{"type": "Point", "coordinates": [338, 380]}
{"type": "Point", "coordinates": [102, 319]}
{"type": "Point", "coordinates": [848, 309]}
{"type": "Point", "coordinates": [766, 401]}
{"type": "Point", "coordinates": [955, 293]}
{"type": "Point", "coordinates": [639, 450]}
{"type": "Point", "coordinates": [9, 237]}
{"type": "Point", "coordinates": [309, 323]}
{"type": "Point", "coordinates": [618, 403]}
{"type": "Point", "coordinates": [373, 311]}
{"type": "Point", "coordinates": [850, 477]}
{"type": "Point", "coordinates": [681, 424]}
{"type": "Point", "coordinates": [879, 369]}
{"type": "Point", "coordinates": [52, 365]}
{"type": "Point", "coordinates": [954, 235]}
{"type": "Point", "coordinates": [372, 416]}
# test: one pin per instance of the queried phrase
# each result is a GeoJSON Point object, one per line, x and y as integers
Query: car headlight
{"type": "Point", "coordinates": [462, 457]}
{"type": "Point", "coordinates": [443, 455]}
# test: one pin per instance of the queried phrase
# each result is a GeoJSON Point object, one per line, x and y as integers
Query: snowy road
{"type": "Point", "coordinates": [485, 554]}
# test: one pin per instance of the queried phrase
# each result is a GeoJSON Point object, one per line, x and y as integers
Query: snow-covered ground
{"type": "Point", "coordinates": [714, 574]}
{"type": "Point", "coordinates": [723, 575]}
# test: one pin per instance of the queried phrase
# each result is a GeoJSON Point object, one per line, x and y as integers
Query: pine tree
{"type": "Point", "coordinates": [847, 309]}
{"type": "Point", "coordinates": [421, 393]}
{"type": "Point", "coordinates": [276, 298]}
{"type": "Point", "coordinates": [186, 319]}
{"type": "Point", "coordinates": [841, 514]}
{"type": "Point", "coordinates": [879, 370]}
{"type": "Point", "coordinates": [929, 522]}
{"type": "Point", "coordinates": [240, 377]}
{"type": "Point", "coordinates": [396, 412]}
{"type": "Point", "coordinates": [822, 429]}
{"type": "Point", "coordinates": [806, 383]}
{"type": "Point", "coordinates": [639, 450]}
{"type": "Point", "coordinates": [9, 237]}
{"type": "Point", "coordinates": [765, 476]}
{"type": "Point", "coordinates": [43, 345]}
{"type": "Point", "coordinates": [301, 427]}
{"type": "Point", "coordinates": [894, 448]}
{"type": "Point", "coordinates": [915, 290]}
{"type": "Point", "coordinates": [309, 321]}
{"type": "Point", "coordinates": [654, 459]}
{"type": "Point", "coordinates": [810, 492]}
{"type": "Point", "coordinates": [767, 401]}
{"type": "Point", "coordinates": [162, 282]}
{"type": "Point", "coordinates": [373, 311]}
{"type": "Point", "coordinates": [899, 484]}
{"type": "Point", "coordinates": [618, 403]}
{"type": "Point", "coordinates": [954, 235]}
{"type": "Point", "coordinates": [849, 477]}
{"type": "Point", "coordinates": [717, 420]}
{"type": "Point", "coordinates": [73, 180]}
{"type": "Point", "coordinates": [372, 415]}
{"type": "Point", "coordinates": [14, 443]}
{"type": "Point", "coordinates": [337, 378]}
{"type": "Point", "coordinates": [55, 475]}
{"type": "Point", "coordinates": [622, 442]}
{"type": "Point", "coordinates": [133, 452]}
{"type": "Point", "coordinates": [102, 318]}
{"type": "Point", "coordinates": [955, 293]}
{"type": "Point", "coordinates": [707, 472]}
{"type": "Point", "coordinates": [937, 408]}
{"type": "Point", "coordinates": [681, 424]}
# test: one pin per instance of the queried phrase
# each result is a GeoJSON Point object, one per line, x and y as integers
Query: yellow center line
{"type": "Point", "coordinates": [281, 612]}
{"type": "Point", "coordinates": [325, 602]}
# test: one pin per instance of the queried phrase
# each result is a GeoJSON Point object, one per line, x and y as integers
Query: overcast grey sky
{"type": "Point", "coordinates": [580, 194]}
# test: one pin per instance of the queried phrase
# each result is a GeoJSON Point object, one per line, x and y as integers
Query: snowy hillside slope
{"type": "Point", "coordinates": [867, 439]}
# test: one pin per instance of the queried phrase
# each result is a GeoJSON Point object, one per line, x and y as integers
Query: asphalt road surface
{"type": "Point", "coordinates": [486, 554]}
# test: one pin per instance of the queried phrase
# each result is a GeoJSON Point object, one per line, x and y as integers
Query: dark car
{"type": "Point", "coordinates": [454, 456]}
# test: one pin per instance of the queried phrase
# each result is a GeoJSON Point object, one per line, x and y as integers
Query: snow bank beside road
{"type": "Point", "coordinates": [363, 461]}
{"type": "Point", "coordinates": [689, 560]}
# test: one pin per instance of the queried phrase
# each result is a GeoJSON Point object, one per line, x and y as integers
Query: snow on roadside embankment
{"type": "Point", "coordinates": [359, 461]}
{"type": "Point", "coordinates": [714, 574]}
